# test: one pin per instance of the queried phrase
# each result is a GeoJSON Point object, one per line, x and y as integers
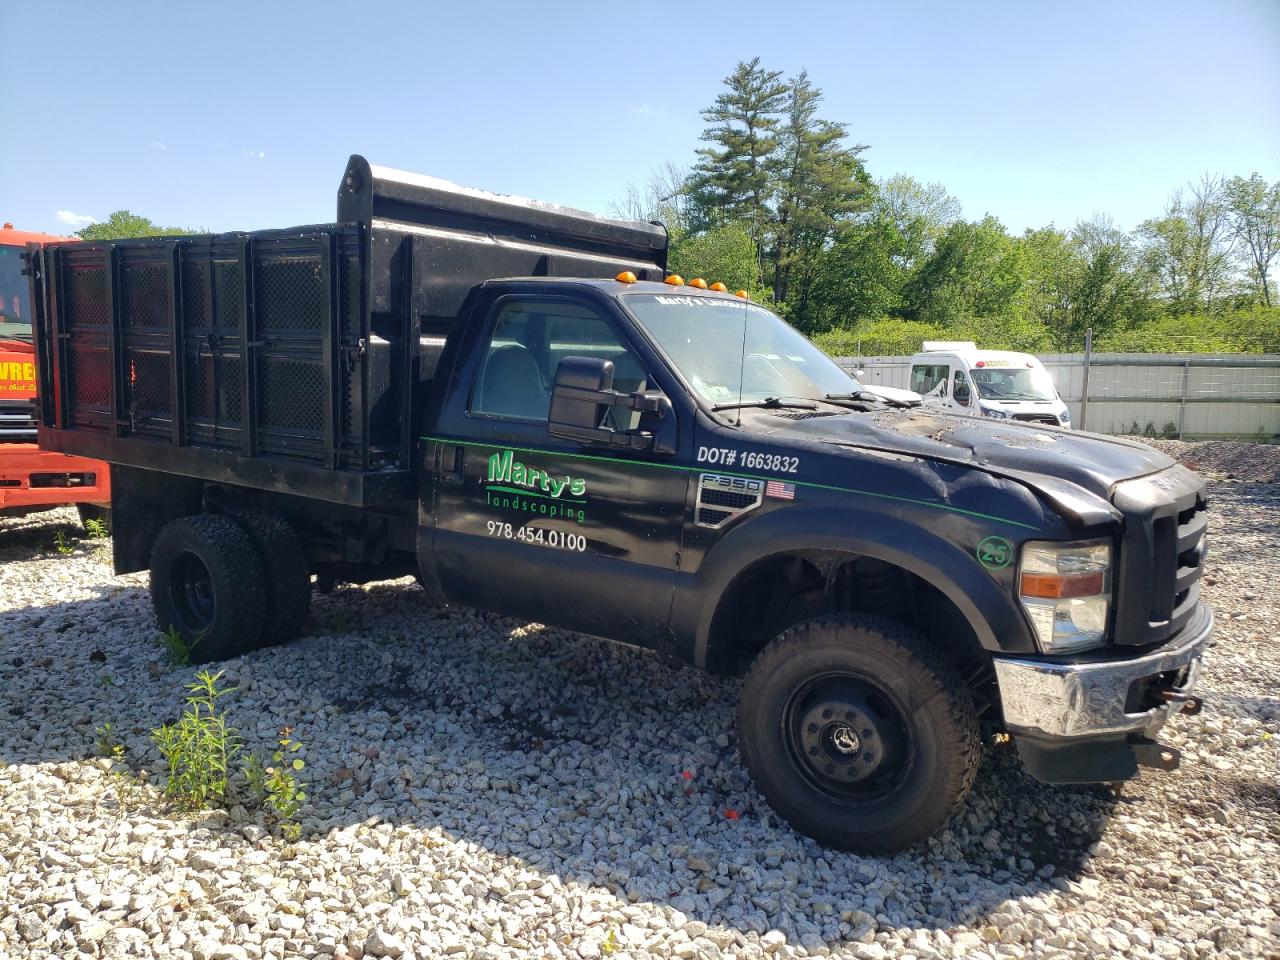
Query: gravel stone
{"type": "Point", "coordinates": [483, 787]}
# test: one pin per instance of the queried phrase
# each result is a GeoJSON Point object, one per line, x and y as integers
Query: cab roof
{"type": "Point", "coordinates": [617, 287]}
{"type": "Point", "coordinates": [9, 237]}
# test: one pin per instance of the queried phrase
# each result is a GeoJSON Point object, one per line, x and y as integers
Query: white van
{"type": "Point", "coordinates": [958, 377]}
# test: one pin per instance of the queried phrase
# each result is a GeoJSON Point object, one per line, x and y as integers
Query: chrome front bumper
{"type": "Point", "coordinates": [1065, 700]}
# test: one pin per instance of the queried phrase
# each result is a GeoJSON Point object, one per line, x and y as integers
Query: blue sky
{"type": "Point", "coordinates": [235, 115]}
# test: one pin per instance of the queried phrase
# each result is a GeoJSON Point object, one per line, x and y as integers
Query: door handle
{"type": "Point", "coordinates": [452, 465]}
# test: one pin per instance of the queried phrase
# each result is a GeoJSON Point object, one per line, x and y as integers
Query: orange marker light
{"type": "Point", "coordinates": [626, 276]}
{"type": "Point", "coordinates": [1058, 586]}
{"type": "Point", "coordinates": [743, 294]}
{"type": "Point", "coordinates": [699, 283]}
{"type": "Point", "coordinates": [719, 287]}
{"type": "Point", "coordinates": [675, 280]}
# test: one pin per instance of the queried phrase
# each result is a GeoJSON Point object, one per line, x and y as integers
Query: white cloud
{"type": "Point", "coordinates": [76, 219]}
{"type": "Point", "coordinates": [254, 154]}
{"type": "Point", "coordinates": [641, 108]}
{"type": "Point", "coordinates": [157, 145]}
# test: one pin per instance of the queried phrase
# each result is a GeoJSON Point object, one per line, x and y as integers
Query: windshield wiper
{"type": "Point", "coordinates": [768, 403]}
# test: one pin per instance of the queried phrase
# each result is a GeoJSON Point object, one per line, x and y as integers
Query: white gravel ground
{"type": "Point", "coordinates": [1224, 459]}
{"type": "Point", "coordinates": [489, 788]}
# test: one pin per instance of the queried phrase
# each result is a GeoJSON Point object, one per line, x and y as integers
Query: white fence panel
{"type": "Point", "coordinates": [1194, 396]}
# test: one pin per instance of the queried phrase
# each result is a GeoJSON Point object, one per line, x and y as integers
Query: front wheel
{"type": "Point", "coordinates": [857, 732]}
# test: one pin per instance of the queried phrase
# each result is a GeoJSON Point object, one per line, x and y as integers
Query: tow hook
{"type": "Point", "coordinates": [1190, 705]}
{"type": "Point", "coordinates": [1149, 753]}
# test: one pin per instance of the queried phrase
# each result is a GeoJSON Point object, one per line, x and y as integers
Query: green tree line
{"type": "Point", "coordinates": [122, 224]}
{"type": "Point", "coordinates": [779, 203]}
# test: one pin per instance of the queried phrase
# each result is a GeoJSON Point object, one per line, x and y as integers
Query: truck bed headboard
{"type": "Point", "coordinates": [461, 236]}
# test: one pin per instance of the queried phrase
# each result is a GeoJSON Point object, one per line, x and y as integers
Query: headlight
{"type": "Point", "coordinates": [1066, 590]}
{"type": "Point", "coordinates": [993, 412]}
{"type": "Point", "coordinates": [1066, 415]}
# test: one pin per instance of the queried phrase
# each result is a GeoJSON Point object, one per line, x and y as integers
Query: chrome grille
{"type": "Point", "coordinates": [18, 421]}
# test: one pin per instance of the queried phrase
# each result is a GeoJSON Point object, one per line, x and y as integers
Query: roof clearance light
{"type": "Point", "coordinates": [743, 294]}
{"type": "Point", "coordinates": [719, 287]}
{"type": "Point", "coordinates": [626, 276]}
{"type": "Point", "coordinates": [699, 283]}
{"type": "Point", "coordinates": [675, 280]}
{"type": "Point", "coordinates": [981, 363]}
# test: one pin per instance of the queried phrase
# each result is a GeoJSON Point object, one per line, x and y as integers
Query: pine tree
{"type": "Point", "coordinates": [734, 180]}
{"type": "Point", "coordinates": [822, 183]}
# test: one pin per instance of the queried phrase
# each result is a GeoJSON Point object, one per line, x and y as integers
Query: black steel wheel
{"type": "Point", "coordinates": [856, 731]}
{"type": "Point", "coordinates": [207, 584]}
{"type": "Point", "coordinates": [848, 736]}
{"type": "Point", "coordinates": [191, 594]}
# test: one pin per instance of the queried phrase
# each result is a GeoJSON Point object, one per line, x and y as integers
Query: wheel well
{"type": "Point", "coordinates": [780, 590]}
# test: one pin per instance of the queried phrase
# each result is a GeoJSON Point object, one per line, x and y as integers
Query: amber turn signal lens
{"type": "Point", "coordinates": [719, 287]}
{"type": "Point", "coordinates": [699, 283]}
{"type": "Point", "coordinates": [626, 276]}
{"type": "Point", "coordinates": [675, 280]}
{"type": "Point", "coordinates": [742, 294]}
{"type": "Point", "coordinates": [1056, 586]}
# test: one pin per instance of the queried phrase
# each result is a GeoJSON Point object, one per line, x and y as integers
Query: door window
{"type": "Point", "coordinates": [930, 378]}
{"type": "Point", "coordinates": [528, 339]}
{"type": "Point", "coordinates": [960, 389]}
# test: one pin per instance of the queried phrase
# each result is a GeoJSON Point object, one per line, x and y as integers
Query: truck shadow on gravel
{"type": "Point", "coordinates": [580, 759]}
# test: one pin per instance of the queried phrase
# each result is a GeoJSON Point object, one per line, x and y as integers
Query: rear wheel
{"type": "Point", "coordinates": [288, 580]}
{"type": "Point", "coordinates": [207, 584]}
{"type": "Point", "coordinates": [855, 730]}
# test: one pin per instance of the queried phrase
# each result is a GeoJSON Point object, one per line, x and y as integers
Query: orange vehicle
{"type": "Point", "coordinates": [30, 478]}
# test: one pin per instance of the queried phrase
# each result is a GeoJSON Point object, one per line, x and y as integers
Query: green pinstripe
{"type": "Point", "coordinates": [932, 504]}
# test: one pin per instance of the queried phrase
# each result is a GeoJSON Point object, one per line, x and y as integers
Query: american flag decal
{"type": "Point", "coordinates": [779, 490]}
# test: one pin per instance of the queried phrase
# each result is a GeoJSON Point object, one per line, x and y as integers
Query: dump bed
{"type": "Point", "coordinates": [292, 360]}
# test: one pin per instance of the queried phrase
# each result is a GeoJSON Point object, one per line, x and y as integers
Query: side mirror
{"type": "Point", "coordinates": [583, 394]}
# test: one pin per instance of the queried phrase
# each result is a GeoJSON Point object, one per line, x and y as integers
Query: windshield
{"type": "Point", "coordinates": [703, 338]}
{"type": "Point", "coordinates": [1014, 383]}
{"type": "Point", "coordinates": [15, 321]}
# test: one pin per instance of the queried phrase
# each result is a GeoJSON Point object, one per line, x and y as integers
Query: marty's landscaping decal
{"type": "Point", "coordinates": [512, 485]}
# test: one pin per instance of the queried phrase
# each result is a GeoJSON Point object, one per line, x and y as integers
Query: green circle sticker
{"type": "Point", "coordinates": [995, 553]}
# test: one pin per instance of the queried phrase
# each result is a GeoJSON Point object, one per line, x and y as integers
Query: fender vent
{"type": "Point", "coordinates": [721, 499]}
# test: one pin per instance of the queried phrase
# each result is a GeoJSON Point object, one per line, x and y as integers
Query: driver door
{"type": "Point", "coordinates": [544, 528]}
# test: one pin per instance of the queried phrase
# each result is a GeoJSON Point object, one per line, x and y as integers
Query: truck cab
{"type": "Point", "coordinates": [957, 377]}
{"type": "Point", "coordinates": [520, 405]}
{"type": "Point", "coordinates": [32, 479]}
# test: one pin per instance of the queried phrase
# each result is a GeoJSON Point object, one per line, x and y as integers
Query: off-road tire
{"type": "Point", "coordinates": [939, 720]}
{"type": "Point", "coordinates": [288, 579]}
{"type": "Point", "coordinates": [235, 586]}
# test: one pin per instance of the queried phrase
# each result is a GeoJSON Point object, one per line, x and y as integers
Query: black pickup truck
{"type": "Point", "coordinates": [593, 443]}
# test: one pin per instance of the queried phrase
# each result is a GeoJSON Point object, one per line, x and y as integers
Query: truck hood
{"type": "Point", "coordinates": [1049, 459]}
